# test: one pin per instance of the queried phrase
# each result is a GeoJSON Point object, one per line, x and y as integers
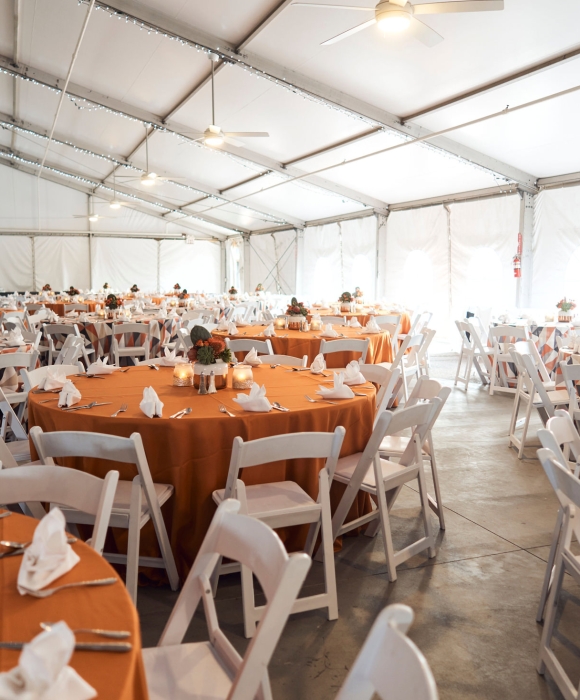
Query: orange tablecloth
{"type": "Point", "coordinates": [364, 316]}
{"type": "Point", "coordinates": [58, 307]}
{"type": "Point", "coordinates": [193, 454]}
{"type": "Point", "coordinates": [114, 676]}
{"type": "Point", "coordinates": [298, 344]}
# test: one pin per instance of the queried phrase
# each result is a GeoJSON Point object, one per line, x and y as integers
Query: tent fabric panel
{"type": "Point", "coordinates": [273, 262]}
{"type": "Point", "coordinates": [195, 267]}
{"type": "Point", "coordinates": [62, 261]}
{"type": "Point", "coordinates": [15, 263]}
{"type": "Point", "coordinates": [123, 262]}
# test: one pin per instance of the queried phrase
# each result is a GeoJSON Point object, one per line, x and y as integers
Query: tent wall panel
{"type": "Point", "coordinates": [195, 267]}
{"type": "Point", "coordinates": [556, 247]}
{"type": "Point", "coordinates": [62, 262]}
{"type": "Point", "coordinates": [122, 262]}
{"type": "Point", "coordinates": [273, 262]}
{"type": "Point", "coordinates": [15, 263]}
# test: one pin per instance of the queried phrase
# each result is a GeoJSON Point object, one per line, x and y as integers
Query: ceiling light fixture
{"type": "Point", "coordinates": [213, 136]}
{"type": "Point", "coordinates": [93, 218]}
{"type": "Point", "coordinates": [391, 18]}
{"type": "Point", "coordinates": [115, 205]}
{"type": "Point", "coordinates": [149, 179]}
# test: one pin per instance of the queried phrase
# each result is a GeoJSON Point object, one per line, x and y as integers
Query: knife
{"type": "Point", "coordinates": [80, 646]}
{"type": "Point", "coordinates": [79, 408]}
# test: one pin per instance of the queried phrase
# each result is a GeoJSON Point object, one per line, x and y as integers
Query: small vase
{"type": "Point", "coordinates": [295, 322]}
{"type": "Point", "coordinates": [219, 369]}
{"type": "Point", "coordinates": [564, 318]}
{"type": "Point", "coordinates": [345, 308]}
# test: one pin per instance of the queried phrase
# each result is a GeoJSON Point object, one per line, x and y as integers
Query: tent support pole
{"type": "Point", "coordinates": [524, 283]}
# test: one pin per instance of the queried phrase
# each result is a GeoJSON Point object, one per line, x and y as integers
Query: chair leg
{"type": "Point", "coordinates": [551, 608]}
{"type": "Point", "coordinates": [133, 539]}
{"type": "Point", "coordinates": [493, 376]}
{"type": "Point", "coordinates": [248, 602]}
{"type": "Point", "coordinates": [437, 506]}
{"type": "Point", "coordinates": [425, 510]}
{"type": "Point", "coordinates": [215, 577]}
{"type": "Point", "coordinates": [525, 428]}
{"type": "Point", "coordinates": [458, 370]}
{"type": "Point", "coordinates": [386, 530]}
{"type": "Point", "coordinates": [548, 576]}
{"type": "Point", "coordinates": [328, 546]}
{"type": "Point", "coordinates": [164, 544]}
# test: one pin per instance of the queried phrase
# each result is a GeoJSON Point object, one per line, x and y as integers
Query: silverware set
{"type": "Point", "coordinates": [153, 367]}
{"type": "Point", "coordinates": [47, 592]}
{"type": "Point", "coordinates": [277, 406]}
{"type": "Point", "coordinates": [80, 646]}
{"type": "Point", "coordinates": [93, 404]}
{"type": "Point", "coordinates": [111, 634]}
{"type": "Point", "coordinates": [180, 414]}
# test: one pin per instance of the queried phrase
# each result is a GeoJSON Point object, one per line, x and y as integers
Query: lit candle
{"type": "Point", "coordinates": [101, 313]}
{"type": "Point", "coordinates": [242, 377]}
{"type": "Point", "coordinates": [183, 374]}
{"type": "Point", "coordinates": [280, 322]}
{"type": "Point", "coordinates": [315, 324]}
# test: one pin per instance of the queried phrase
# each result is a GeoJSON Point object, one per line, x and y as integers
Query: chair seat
{"type": "Point", "coordinates": [397, 444]}
{"type": "Point", "coordinates": [122, 500]}
{"type": "Point", "coordinates": [15, 396]}
{"type": "Point", "coordinates": [280, 498]}
{"type": "Point", "coordinates": [185, 672]}
{"type": "Point", "coordinates": [346, 466]}
{"type": "Point", "coordinates": [20, 450]}
{"type": "Point", "coordinates": [138, 350]}
{"type": "Point", "coordinates": [556, 397]}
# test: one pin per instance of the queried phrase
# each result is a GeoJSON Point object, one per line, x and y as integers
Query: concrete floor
{"type": "Point", "coordinates": [474, 603]}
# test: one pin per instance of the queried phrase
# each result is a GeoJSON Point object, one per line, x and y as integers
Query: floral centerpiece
{"type": "Point", "coordinates": [565, 306]}
{"type": "Point", "coordinates": [297, 312]}
{"type": "Point", "coordinates": [106, 285]}
{"type": "Point", "coordinates": [358, 295]}
{"type": "Point", "coordinates": [260, 287]}
{"type": "Point", "coordinates": [177, 286]}
{"type": "Point", "coordinates": [111, 302]}
{"type": "Point", "coordinates": [346, 300]}
{"type": "Point", "coordinates": [209, 354]}
{"type": "Point", "coordinates": [47, 288]}
{"type": "Point", "coordinates": [73, 291]}
{"type": "Point", "coordinates": [183, 294]}
{"type": "Point", "coordinates": [134, 289]}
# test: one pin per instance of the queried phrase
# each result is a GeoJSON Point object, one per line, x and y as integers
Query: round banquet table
{"type": "Point", "coordinates": [364, 316]}
{"type": "Point", "coordinates": [193, 454]}
{"type": "Point", "coordinates": [58, 307]}
{"type": "Point", "coordinates": [298, 344]}
{"type": "Point", "coordinates": [114, 676]}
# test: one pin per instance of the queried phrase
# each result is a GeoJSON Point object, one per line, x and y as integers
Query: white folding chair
{"type": "Point", "coordinates": [30, 379]}
{"type": "Point", "coordinates": [567, 488]}
{"type": "Point", "coordinates": [67, 488]}
{"type": "Point", "coordinates": [394, 446]}
{"type": "Point", "coordinates": [262, 346]}
{"type": "Point", "coordinates": [136, 502]}
{"type": "Point", "coordinates": [473, 353]}
{"type": "Point", "coordinates": [561, 437]}
{"type": "Point", "coordinates": [214, 669]}
{"type": "Point", "coordinates": [382, 479]}
{"type": "Point", "coordinates": [334, 320]}
{"type": "Point", "coordinates": [389, 666]}
{"type": "Point", "coordinates": [407, 360]}
{"type": "Point", "coordinates": [190, 315]}
{"type": "Point", "coordinates": [285, 504]}
{"type": "Point", "coordinates": [10, 362]}
{"type": "Point", "coordinates": [531, 391]}
{"type": "Point", "coordinates": [266, 316]}
{"type": "Point", "coordinates": [32, 338]}
{"type": "Point", "coordinates": [423, 352]}
{"type": "Point", "coordinates": [75, 307]}
{"type": "Point", "coordinates": [389, 385]}
{"type": "Point", "coordinates": [139, 350]}
{"type": "Point", "coordinates": [19, 447]}
{"type": "Point", "coordinates": [183, 343]}
{"type": "Point", "coordinates": [34, 307]}
{"type": "Point", "coordinates": [571, 374]}
{"type": "Point", "coordinates": [327, 347]}
{"type": "Point", "coordinates": [501, 354]}
{"type": "Point", "coordinates": [71, 351]}
{"type": "Point", "coordinates": [52, 331]}
{"type": "Point", "coordinates": [392, 324]}
{"type": "Point", "coordinates": [285, 360]}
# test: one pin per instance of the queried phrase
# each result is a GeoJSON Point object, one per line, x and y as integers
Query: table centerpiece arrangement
{"type": "Point", "coordinates": [564, 307]}
{"type": "Point", "coordinates": [296, 313]}
{"type": "Point", "coordinates": [345, 300]}
{"type": "Point", "coordinates": [208, 355]}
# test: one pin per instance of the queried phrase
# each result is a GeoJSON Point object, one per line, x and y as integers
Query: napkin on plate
{"type": "Point", "coordinates": [48, 557]}
{"type": "Point", "coordinates": [254, 401]}
{"type": "Point", "coordinates": [354, 322]}
{"type": "Point", "coordinates": [55, 378]}
{"type": "Point", "coordinates": [101, 367]}
{"type": "Point", "coordinates": [170, 360]}
{"type": "Point", "coordinates": [329, 332]}
{"type": "Point", "coordinates": [162, 314]}
{"type": "Point", "coordinates": [69, 395]}
{"type": "Point", "coordinates": [223, 324]}
{"type": "Point", "coordinates": [14, 338]}
{"type": "Point", "coordinates": [232, 330]}
{"type": "Point", "coordinates": [84, 317]}
{"type": "Point", "coordinates": [353, 375]}
{"type": "Point", "coordinates": [151, 405]}
{"type": "Point", "coordinates": [43, 672]}
{"type": "Point", "coordinates": [52, 317]}
{"type": "Point", "coordinates": [71, 314]}
{"type": "Point", "coordinates": [270, 332]}
{"type": "Point", "coordinates": [338, 391]}
{"type": "Point", "coordinates": [319, 365]}
{"type": "Point", "coordinates": [252, 358]}
{"type": "Point", "coordinates": [372, 326]}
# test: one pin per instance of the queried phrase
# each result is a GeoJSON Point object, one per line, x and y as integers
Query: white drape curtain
{"type": "Point", "coordinates": [273, 262]}
{"type": "Point", "coordinates": [62, 262]}
{"type": "Point", "coordinates": [15, 263]}
{"type": "Point", "coordinates": [123, 262]}
{"type": "Point", "coordinates": [556, 247]}
{"type": "Point", "coordinates": [234, 263]}
{"type": "Point", "coordinates": [195, 267]}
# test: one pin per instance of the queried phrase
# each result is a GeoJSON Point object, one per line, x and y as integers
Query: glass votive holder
{"type": "Point", "coordinates": [280, 322]}
{"type": "Point", "coordinates": [183, 374]}
{"type": "Point", "coordinates": [242, 377]}
{"type": "Point", "coordinates": [315, 324]}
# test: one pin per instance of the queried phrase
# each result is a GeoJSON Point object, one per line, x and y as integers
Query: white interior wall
{"type": "Point", "coordinates": [556, 244]}
{"type": "Point", "coordinates": [195, 267]}
{"type": "Point", "coordinates": [62, 261]}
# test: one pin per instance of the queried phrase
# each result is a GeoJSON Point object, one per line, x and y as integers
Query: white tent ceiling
{"type": "Point", "coordinates": [356, 85]}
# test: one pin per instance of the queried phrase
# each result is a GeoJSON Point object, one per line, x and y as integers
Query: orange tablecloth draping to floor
{"type": "Point", "coordinates": [115, 676]}
{"type": "Point", "coordinates": [193, 453]}
{"type": "Point", "coordinates": [298, 344]}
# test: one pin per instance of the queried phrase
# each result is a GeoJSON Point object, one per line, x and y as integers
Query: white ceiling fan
{"type": "Point", "coordinates": [149, 178]}
{"type": "Point", "coordinates": [400, 15]}
{"type": "Point", "coordinates": [213, 135]}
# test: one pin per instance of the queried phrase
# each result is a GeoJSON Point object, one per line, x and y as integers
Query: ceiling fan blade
{"type": "Point", "coordinates": [438, 8]}
{"type": "Point", "coordinates": [233, 142]}
{"type": "Point", "coordinates": [425, 34]}
{"type": "Point", "coordinates": [349, 32]}
{"type": "Point", "coordinates": [246, 133]}
{"type": "Point", "coordinates": [190, 133]}
{"type": "Point", "coordinates": [332, 7]}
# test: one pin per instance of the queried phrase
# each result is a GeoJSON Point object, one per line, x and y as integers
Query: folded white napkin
{"type": "Point", "coordinates": [69, 395]}
{"type": "Point", "coordinates": [372, 326]}
{"type": "Point", "coordinates": [101, 367]}
{"type": "Point", "coordinates": [84, 317]}
{"type": "Point", "coordinates": [71, 314]}
{"type": "Point", "coordinates": [14, 338]}
{"type": "Point", "coordinates": [48, 557]}
{"type": "Point", "coordinates": [353, 375]}
{"type": "Point", "coordinates": [52, 317]}
{"type": "Point", "coordinates": [43, 672]}
{"type": "Point", "coordinates": [151, 405]}
{"type": "Point", "coordinates": [329, 332]}
{"type": "Point", "coordinates": [319, 365]}
{"type": "Point", "coordinates": [170, 360]}
{"type": "Point", "coordinates": [270, 332]}
{"type": "Point", "coordinates": [354, 322]}
{"type": "Point", "coordinates": [44, 296]}
{"type": "Point", "coordinates": [252, 358]}
{"type": "Point", "coordinates": [162, 313]}
{"type": "Point", "coordinates": [254, 401]}
{"type": "Point", "coordinates": [232, 330]}
{"type": "Point", "coordinates": [55, 378]}
{"type": "Point", "coordinates": [223, 324]}
{"type": "Point", "coordinates": [338, 391]}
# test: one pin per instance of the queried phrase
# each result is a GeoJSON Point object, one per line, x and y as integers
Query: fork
{"type": "Point", "coordinates": [112, 634]}
{"type": "Point", "coordinates": [123, 408]}
{"type": "Point", "coordinates": [46, 592]}
{"type": "Point", "coordinates": [319, 400]}
{"type": "Point", "coordinates": [223, 409]}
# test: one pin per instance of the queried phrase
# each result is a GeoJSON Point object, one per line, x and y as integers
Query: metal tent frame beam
{"type": "Point", "coordinates": [299, 82]}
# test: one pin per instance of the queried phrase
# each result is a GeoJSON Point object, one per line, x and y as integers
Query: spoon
{"type": "Point", "coordinates": [223, 409]}
{"type": "Point", "coordinates": [276, 405]}
{"type": "Point", "coordinates": [112, 634]}
{"type": "Point", "coordinates": [186, 412]}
